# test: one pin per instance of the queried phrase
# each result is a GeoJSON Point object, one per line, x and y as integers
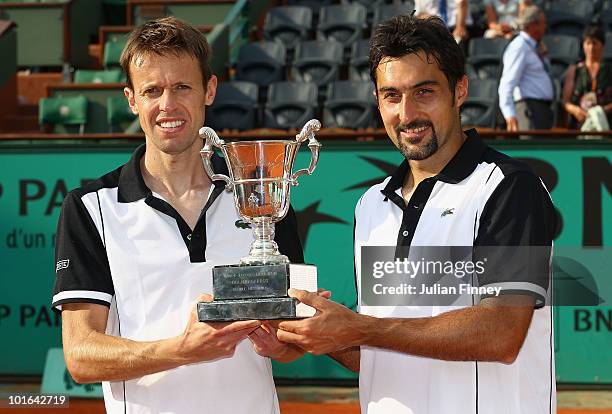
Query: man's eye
{"type": "Point", "coordinates": [391, 95]}
{"type": "Point", "coordinates": [424, 92]}
{"type": "Point", "coordinates": [150, 91]}
{"type": "Point", "coordinates": [183, 87]}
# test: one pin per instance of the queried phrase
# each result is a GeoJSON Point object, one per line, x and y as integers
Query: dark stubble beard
{"type": "Point", "coordinates": [414, 152]}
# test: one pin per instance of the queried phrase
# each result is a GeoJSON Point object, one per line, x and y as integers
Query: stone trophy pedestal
{"type": "Point", "coordinates": [245, 292]}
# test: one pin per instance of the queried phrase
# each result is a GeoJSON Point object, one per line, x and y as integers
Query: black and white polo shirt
{"type": "Point", "coordinates": [123, 246]}
{"type": "Point", "coordinates": [480, 198]}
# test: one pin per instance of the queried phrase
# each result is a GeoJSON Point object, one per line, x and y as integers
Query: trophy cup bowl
{"type": "Point", "coordinates": [260, 176]}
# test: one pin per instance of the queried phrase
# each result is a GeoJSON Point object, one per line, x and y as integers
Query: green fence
{"type": "Point", "coordinates": [35, 178]}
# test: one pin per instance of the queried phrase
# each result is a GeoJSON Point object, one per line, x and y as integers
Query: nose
{"type": "Point", "coordinates": [167, 101]}
{"type": "Point", "coordinates": [407, 110]}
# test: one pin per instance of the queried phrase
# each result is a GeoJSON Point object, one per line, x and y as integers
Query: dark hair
{"type": "Point", "coordinates": [165, 36]}
{"type": "Point", "coordinates": [594, 31]}
{"type": "Point", "coordinates": [405, 35]}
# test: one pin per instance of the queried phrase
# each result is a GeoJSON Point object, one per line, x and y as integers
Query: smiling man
{"type": "Point", "coordinates": [137, 247]}
{"type": "Point", "coordinates": [493, 353]}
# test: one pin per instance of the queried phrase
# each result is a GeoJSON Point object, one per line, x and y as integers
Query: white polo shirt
{"type": "Point", "coordinates": [480, 198]}
{"type": "Point", "coordinates": [122, 246]}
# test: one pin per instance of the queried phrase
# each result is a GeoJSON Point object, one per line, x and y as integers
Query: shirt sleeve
{"type": "Point", "coordinates": [515, 236]}
{"type": "Point", "coordinates": [287, 237]}
{"type": "Point", "coordinates": [82, 272]}
{"type": "Point", "coordinates": [514, 65]}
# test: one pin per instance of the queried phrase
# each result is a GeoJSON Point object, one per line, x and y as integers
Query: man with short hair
{"type": "Point", "coordinates": [137, 247]}
{"type": "Point", "coordinates": [526, 90]}
{"type": "Point", "coordinates": [492, 353]}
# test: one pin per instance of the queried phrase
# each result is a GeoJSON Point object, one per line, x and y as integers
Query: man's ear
{"type": "Point", "coordinates": [461, 91]}
{"type": "Point", "coordinates": [129, 94]}
{"type": "Point", "coordinates": [211, 90]}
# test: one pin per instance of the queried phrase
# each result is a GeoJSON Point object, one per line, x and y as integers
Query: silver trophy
{"type": "Point", "coordinates": [260, 175]}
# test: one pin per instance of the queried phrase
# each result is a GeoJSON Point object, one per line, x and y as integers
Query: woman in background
{"type": "Point", "coordinates": [589, 83]}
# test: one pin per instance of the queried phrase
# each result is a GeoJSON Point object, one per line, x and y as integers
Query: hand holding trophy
{"type": "Point", "coordinates": [260, 175]}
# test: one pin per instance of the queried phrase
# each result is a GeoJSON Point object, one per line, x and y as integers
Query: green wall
{"type": "Point", "coordinates": [35, 178]}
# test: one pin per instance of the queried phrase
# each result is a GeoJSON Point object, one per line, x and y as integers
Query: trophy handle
{"type": "Point", "coordinates": [212, 139]}
{"type": "Point", "coordinates": [308, 132]}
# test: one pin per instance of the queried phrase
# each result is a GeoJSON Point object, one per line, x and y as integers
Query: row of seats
{"type": "Point", "coordinates": [348, 104]}
{"type": "Point", "coordinates": [72, 113]}
{"type": "Point", "coordinates": [346, 22]}
{"type": "Point", "coordinates": [321, 62]}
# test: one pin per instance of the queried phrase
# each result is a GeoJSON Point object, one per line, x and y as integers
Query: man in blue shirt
{"type": "Point", "coordinates": [526, 90]}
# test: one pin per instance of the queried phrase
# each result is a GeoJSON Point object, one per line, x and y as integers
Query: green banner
{"type": "Point", "coordinates": [35, 178]}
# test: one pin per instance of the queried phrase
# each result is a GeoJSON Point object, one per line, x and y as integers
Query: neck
{"type": "Point", "coordinates": [420, 170]}
{"type": "Point", "coordinates": [174, 174]}
{"type": "Point", "coordinates": [592, 61]}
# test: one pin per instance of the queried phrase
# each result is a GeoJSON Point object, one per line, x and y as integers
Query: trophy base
{"type": "Point", "coordinates": [246, 309]}
{"type": "Point", "coordinates": [258, 292]}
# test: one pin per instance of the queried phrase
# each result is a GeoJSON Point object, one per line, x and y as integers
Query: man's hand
{"type": "Point", "coordinates": [460, 33]}
{"type": "Point", "coordinates": [332, 328]}
{"type": "Point", "coordinates": [512, 124]}
{"type": "Point", "coordinates": [208, 341]}
{"type": "Point", "coordinates": [266, 344]}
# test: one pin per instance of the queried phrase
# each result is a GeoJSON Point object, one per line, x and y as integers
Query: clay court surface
{"type": "Point", "coordinates": [328, 400]}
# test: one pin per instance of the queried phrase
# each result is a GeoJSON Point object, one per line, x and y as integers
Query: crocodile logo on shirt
{"type": "Point", "coordinates": [447, 211]}
{"type": "Point", "coordinates": [241, 224]}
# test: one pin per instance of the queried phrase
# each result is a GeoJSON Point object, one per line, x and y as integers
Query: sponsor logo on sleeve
{"type": "Point", "coordinates": [62, 264]}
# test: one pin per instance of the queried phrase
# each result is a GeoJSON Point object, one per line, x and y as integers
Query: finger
{"type": "Point", "coordinates": [324, 294]}
{"type": "Point", "coordinates": [309, 298]}
{"type": "Point", "coordinates": [291, 326]}
{"type": "Point", "coordinates": [289, 337]}
{"type": "Point", "coordinates": [239, 326]}
{"type": "Point", "coordinates": [205, 297]}
{"type": "Point", "coordinates": [269, 328]}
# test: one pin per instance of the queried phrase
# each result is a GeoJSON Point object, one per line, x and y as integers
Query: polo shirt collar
{"type": "Point", "coordinates": [528, 38]}
{"type": "Point", "coordinates": [458, 168]}
{"type": "Point", "coordinates": [132, 186]}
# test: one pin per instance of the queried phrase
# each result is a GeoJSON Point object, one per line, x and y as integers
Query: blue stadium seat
{"type": "Point", "coordinates": [485, 56]}
{"type": "Point", "coordinates": [317, 61]}
{"type": "Point", "coordinates": [288, 24]}
{"type": "Point", "coordinates": [235, 106]}
{"type": "Point", "coordinates": [261, 63]}
{"type": "Point", "coordinates": [350, 104]}
{"type": "Point", "coordinates": [290, 104]}
{"type": "Point", "coordinates": [343, 23]}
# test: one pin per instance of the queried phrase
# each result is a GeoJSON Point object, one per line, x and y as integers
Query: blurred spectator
{"type": "Point", "coordinates": [455, 13]}
{"type": "Point", "coordinates": [587, 92]}
{"type": "Point", "coordinates": [502, 16]}
{"type": "Point", "coordinates": [526, 89]}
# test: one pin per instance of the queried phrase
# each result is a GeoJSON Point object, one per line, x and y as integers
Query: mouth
{"type": "Point", "coordinates": [415, 135]}
{"type": "Point", "coordinates": [171, 125]}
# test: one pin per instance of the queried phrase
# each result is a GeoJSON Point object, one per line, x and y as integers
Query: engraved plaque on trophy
{"type": "Point", "coordinates": [260, 175]}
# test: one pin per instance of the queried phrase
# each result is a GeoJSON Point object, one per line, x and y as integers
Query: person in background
{"type": "Point", "coordinates": [455, 13]}
{"type": "Point", "coordinates": [526, 90]}
{"type": "Point", "coordinates": [502, 17]}
{"type": "Point", "coordinates": [588, 85]}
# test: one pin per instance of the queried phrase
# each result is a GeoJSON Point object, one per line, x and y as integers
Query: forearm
{"type": "Point", "coordinates": [608, 108]}
{"type": "Point", "coordinates": [101, 357]}
{"type": "Point", "coordinates": [462, 8]}
{"type": "Point", "coordinates": [572, 109]}
{"type": "Point", "coordinates": [470, 334]}
{"type": "Point", "coordinates": [349, 358]}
